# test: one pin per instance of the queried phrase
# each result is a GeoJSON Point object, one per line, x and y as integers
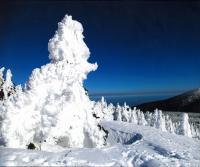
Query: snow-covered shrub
{"type": "Point", "coordinates": [54, 107]}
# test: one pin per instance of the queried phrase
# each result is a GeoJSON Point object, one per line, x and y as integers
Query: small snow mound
{"type": "Point", "coordinates": [115, 137]}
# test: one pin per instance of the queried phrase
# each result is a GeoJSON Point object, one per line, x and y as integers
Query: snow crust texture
{"type": "Point", "coordinates": [54, 107]}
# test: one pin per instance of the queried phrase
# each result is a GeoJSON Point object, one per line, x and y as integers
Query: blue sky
{"type": "Point", "coordinates": [140, 46]}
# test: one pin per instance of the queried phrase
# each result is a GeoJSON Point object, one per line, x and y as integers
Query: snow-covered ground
{"type": "Point", "coordinates": [130, 145]}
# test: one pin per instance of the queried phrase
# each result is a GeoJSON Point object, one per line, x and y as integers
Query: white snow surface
{"type": "Point", "coordinates": [130, 145]}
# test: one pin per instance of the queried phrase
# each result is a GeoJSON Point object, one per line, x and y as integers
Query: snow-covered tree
{"type": "Point", "coordinates": [118, 113]}
{"type": "Point", "coordinates": [110, 110]}
{"type": "Point", "coordinates": [125, 114]}
{"type": "Point", "coordinates": [176, 127]}
{"type": "Point", "coordinates": [1, 84]}
{"type": "Point", "coordinates": [159, 120]}
{"type": "Point", "coordinates": [98, 110]}
{"type": "Point", "coordinates": [169, 125]}
{"type": "Point", "coordinates": [148, 117]}
{"type": "Point", "coordinates": [141, 119]}
{"type": "Point", "coordinates": [194, 131]}
{"type": "Point", "coordinates": [184, 127]}
{"type": "Point", "coordinates": [54, 107]}
{"type": "Point", "coordinates": [102, 110]}
{"type": "Point", "coordinates": [1, 76]}
{"type": "Point", "coordinates": [133, 116]}
{"type": "Point", "coordinates": [6, 85]}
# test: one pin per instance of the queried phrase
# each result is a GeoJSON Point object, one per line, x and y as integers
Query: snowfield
{"type": "Point", "coordinates": [130, 145]}
{"type": "Point", "coordinates": [53, 116]}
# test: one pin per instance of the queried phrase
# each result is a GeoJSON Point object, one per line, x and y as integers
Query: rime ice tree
{"type": "Point", "coordinates": [149, 118]}
{"type": "Point", "coordinates": [1, 76]}
{"type": "Point", "coordinates": [54, 107]}
{"type": "Point", "coordinates": [110, 111]}
{"type": "Point", "coordinates": [159, 120]}
{"type": "Point", "coordinates": [133, 116]}
{"type": "Point", "coordinates": [184, 127]}
{"type": "Point", "coordinates": [100, 109]}
{"type": "Point", "coordinates": [118, 113]}
{"type": "Point", "coordinates": [125, 116]}
{"type": "Point", "coordinates": [6, 86]}
{"type": "Point", "coordinates": [141, 119]}
{"type": "Point", "coordinates": [1, 83]}
{"type": "Point", "coordinates": [169, 125]}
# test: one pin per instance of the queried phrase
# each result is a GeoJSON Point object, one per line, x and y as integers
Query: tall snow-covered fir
{"type": "Point", "coordinates": [54, 108]}
{"type": "Point", "coordinates": [185, 128]}
{"type": "Point", "coordinates": [6, 85]}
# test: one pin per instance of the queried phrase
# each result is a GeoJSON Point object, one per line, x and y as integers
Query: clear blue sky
{"type": "Point", "coordinates": [140, 46]}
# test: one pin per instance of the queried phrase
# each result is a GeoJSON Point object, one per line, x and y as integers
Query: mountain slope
{"type": "Point", "coordinates": [187, 102]}
{"type": "Point", "coordinates": [130, 145]}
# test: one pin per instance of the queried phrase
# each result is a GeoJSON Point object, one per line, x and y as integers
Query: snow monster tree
{"type": "Point", "coordinates": [53, 107]}
{"type": "Point", "coordinates": [6, 86]}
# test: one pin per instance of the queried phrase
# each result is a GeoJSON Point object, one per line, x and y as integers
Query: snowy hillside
{"type": "Point", "coordinates": [51, 121]}
{"type": "Point", "coordinates": [186, 102]}
{"type": "Point", "coordinates": [131, 145]}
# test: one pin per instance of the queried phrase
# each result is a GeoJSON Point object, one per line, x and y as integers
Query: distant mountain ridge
{"type": "Point", "coordinates": [186, 102]}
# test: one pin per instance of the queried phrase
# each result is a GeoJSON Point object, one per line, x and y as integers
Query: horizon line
{"type": "Point", "coordinates": [138, 92]}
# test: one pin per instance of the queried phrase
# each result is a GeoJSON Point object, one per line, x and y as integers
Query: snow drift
{"type": "Point", "coordinates": [132, 146]}
{"type": "Point", "coordinates": [54, 107]}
